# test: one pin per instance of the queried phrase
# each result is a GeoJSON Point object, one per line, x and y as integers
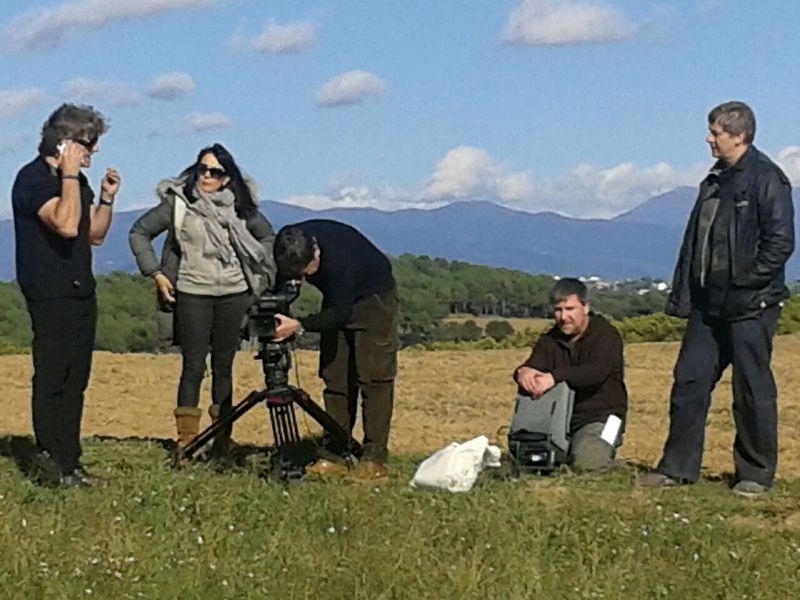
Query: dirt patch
{"type": "Point", "coordinates": [441, 397]}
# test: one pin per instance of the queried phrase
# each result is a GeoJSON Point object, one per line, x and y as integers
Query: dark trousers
{"type": "Point", "coordinates": [363, 358]}
{"type": "Point", "coordinates": [709, 346]}
{"type": "Point", "coordinates": [63, 340]}
{"type": "Point", "coordinates": [202, 322]}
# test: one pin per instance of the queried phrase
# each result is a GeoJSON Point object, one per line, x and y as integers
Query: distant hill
{"type": "Point", "coordinates": [642, 242]}
{"type": "Point", "coordinates": [668, 210]}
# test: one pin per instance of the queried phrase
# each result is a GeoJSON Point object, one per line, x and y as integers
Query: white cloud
{"type": "Point", "coordinates": [194, 122]}
{"type": "Point", "coordinates": [351, 87]}
{"type": "Point", "coordinates": [206, 121]}
{"type": "Point", "coordinates": [13, 102]}
{"type": "Point", "coordinates": [45, 28]}
{"type": "Point", "coordinates": [380, 196]}
{"type": "Point", "coordinates": [290, 38]}
{"type": "Point", "coordinates": [171, 86]}
{"type": "Point", "coordinates": [469, 172]}
{"type": "Point", "coordinates": [114, 93]}
{"type": "Point", "coordinates": [565, 22]}
{"type": "Point", "coordinates": [789, 159]}
{"type": "Point", "coordinates": [591, 191]}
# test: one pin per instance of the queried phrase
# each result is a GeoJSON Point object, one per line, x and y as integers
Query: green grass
{"type": "Point", "coordinates": [157, 533]}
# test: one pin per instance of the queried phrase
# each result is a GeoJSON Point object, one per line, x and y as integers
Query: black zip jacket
{"type": "Point", "coordinates": [760, 239]}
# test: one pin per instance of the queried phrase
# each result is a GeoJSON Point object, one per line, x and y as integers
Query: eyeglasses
{"type": "Point", "coordinates": [214, 172]}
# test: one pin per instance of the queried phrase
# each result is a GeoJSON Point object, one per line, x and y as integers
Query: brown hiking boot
{"type": "Point", "coordinates": [323, 466]}
{"type": "Point", "coordinates": [187, 424]}
{"type": "Point", "coordinates": [368, 470]}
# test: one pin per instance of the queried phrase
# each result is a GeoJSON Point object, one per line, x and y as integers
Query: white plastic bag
{"type": "Point", "coordinates": [455, 468]}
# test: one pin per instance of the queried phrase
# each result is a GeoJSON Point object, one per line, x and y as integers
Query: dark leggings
{"type": "Point", "coordinates": [203, 322]}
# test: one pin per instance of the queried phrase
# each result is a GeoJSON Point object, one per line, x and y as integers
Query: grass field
{"type": "Point", "coordinates": [156, 533]}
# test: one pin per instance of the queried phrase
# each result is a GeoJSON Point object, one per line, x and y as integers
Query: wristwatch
{"type": "Point", "coordinates": [104, 202]}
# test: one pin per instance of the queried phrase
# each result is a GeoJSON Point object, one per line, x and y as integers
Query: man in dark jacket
{"type": "Point", "coordinates": [358, 322]}
{"type": "Point", "coordinates": [585, 351]}
{"type": "Point", "coordinates": [729, 283]}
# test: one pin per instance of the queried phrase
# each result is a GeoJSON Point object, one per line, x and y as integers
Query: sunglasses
{"type": "Point", "coordinates": [88, 144]}
{"type": "Point", "coordinates": [213, 172]}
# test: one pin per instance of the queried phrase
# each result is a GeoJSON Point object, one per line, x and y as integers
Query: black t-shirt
{"type": "Point", "coordinates": [350, 268]}
{"type": "Point", "coordinates": [49, 265]}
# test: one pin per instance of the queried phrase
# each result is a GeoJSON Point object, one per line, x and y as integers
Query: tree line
{"type": "Point", "coordinates": [431, 290]}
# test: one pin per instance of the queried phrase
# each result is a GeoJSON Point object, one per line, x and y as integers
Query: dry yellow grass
{"type": "Point", "coordinates": [441, 397]}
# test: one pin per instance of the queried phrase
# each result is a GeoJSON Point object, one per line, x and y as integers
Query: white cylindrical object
{"type": "Point", "coordinates": [611, 430]}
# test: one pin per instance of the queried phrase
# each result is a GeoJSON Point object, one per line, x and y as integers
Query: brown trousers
{"type": "Point", "coordinates": [362, 357]}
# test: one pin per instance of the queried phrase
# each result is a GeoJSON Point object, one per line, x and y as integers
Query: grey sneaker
{"type": "Point", "coordinates": [655, 479]}
{"type": "Point", "coordinates": [749, 489]}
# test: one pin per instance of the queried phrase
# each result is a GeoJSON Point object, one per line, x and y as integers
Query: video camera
{"type": "Point", "coordinates": [275, 355]}
{"type": "Point", "coordinates": [261, 316]}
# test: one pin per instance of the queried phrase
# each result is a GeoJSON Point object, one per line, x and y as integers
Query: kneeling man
{"type": "Point", "coordinates": [585, 351]}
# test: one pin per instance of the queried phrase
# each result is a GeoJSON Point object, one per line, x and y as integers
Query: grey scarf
{"type": "Point", "coordinates": [219, 215]}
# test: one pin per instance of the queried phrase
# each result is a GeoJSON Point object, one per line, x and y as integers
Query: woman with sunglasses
{"type": "Point", "coordinates": [217, 256]}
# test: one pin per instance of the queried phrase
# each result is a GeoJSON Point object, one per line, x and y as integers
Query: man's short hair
{"type": "Point", "coordinates": [71, 122]}
{"type": "Point", "coordinates": [735, 117]}
{"type": "Point", "coordinates": [569, 286]}
{"type": "Point", "coordinates": [293, 250]}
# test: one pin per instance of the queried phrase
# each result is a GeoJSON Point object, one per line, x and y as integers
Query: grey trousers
{"type": "Point", "coordinates": [588, 452]}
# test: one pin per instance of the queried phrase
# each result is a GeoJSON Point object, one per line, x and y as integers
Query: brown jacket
{"type": "Point", "coordinates": [593, 366]}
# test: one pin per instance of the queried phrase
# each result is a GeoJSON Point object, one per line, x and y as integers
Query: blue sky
{"type": "Point", "coordinates": [584, 107]}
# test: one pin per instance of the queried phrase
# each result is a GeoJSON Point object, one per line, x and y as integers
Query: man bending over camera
{"type": "Point", "coordinates": [585, 351]}
{"type": "Point", "coordinates": [358, 323]}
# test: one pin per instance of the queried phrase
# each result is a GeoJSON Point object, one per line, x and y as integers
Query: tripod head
{"type": "Point", "coordinates": [275, 356]}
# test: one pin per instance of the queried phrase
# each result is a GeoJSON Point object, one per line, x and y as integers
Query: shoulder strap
{"type": "Point", "coordinates": [179, 213]}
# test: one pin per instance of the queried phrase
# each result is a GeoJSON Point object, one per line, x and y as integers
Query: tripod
{"type": "Point", "coordinates": [280, 399]}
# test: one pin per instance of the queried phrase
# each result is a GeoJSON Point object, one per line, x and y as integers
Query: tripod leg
{"type": "Point", "coordinates": [210, 432]}
{"type": "Point", "coordinates": [326, 421]}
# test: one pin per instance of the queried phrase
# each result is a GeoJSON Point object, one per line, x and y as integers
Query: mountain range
{"type": "Point", "coordinates": [642, 242]}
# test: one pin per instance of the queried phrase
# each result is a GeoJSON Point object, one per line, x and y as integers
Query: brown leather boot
{"type": "Point", "coordinates": [367, 470]}
{"type": "Point", "coordinates": [187, 423]}
{"type": "Point", "coordinates": [323, 466]}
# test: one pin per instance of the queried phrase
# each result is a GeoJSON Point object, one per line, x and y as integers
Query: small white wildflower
{"type": "Point", "coordinates": [24, 522]}
{"type": "Point", "coordinates": [88, 591]}
{"type": "Point", "coordinates": [684, 520]}
{"type": "Point", "coordinates": [225, 582]}
{"type": "Point", "coordinates": [212, 566]}
{"type": "Point", "coordinates": [231, 527]}
{"type": "Point", "coordinates": [695, 557]}
{"type": "Point", "coordinates": [117, 574]}
{"type": "Point", "coordinates": [199, 540]}
{"type": "Point", "coordinates": [331, 529]}
{"type": "Point", "coordinates": [250, 575]}
{"type": "Point", "coordinates": [285, 494]}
